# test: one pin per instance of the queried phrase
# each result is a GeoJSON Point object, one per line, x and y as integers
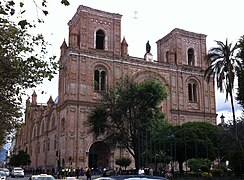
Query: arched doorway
{"type": "Point", "coordinates": [99, 155]}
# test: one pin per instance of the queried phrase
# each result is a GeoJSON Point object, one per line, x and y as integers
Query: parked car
{"type": "Point", "coordinates": [3, 175]}
{"type": "Point", "coordinates": [6, 170]}
{"type": "Point", "coordinates": [131, 177]}
{"type": "Point", "coordinates": [17, 172]}
{"type": "Point", "coordinates": [42, 177]}
{"type": "Point", "coordinates": [109, 172]}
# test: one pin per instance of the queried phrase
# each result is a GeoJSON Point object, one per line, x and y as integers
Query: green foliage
{"type": "Point", "coordinates": [199, 165]}
{"type": "Point", "coordinates": [123, 162]}
{"type": "Point", "coordinates": [224, 66]}
{"type": "Point", "coordinates": [195, 140]}
{"type": "Point", "coordinates": [24, 61]}
{"type": "Point", "coordinates": [19, 160]}
{"type": "Point", "coordinates": [98, 119]}
{"type": "Point", "coordinates": [205, 167]}
{"type": "Point", "coordinates": [237, 158]}
{"type": "Point", "coordinates": [217, 172]}
{"type": "Point", "coordinates": [206, 175]}
{"type": "Point", "coordinates": [230, 149]}
{"type": "Point", "coordinates": [126, 111]}
{"type": "Point", "coordinates": [241, 48]}
{"type": "Point", "coordinates": [65, 2]}
{"type": "Point", "coordinates": [240, 89]}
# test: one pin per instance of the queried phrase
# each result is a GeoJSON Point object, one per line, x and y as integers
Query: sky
{"type": "Point", "coordinates": [144, 21]}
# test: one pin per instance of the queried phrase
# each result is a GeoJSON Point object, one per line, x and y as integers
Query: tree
{"type": "Point", "coordinates": [199, 164]}
{"type": "Point", "coordinates": [158, 145]}
{"type": "Point", "coordinates": [128, 110]}
{"type": "Point", "coordinates": [195, 140]}
{"type": "Point", "coordinates": [19, 160]}
{"type": "Point", "coordinates": [223, 65]}
{"type": "Point", "coordinates": [24, 61]}
{"type": "Point", "coordinates": [231, 150]}
{"type": "Point", "coordinates": [123, 162]}
{"type": "Point", "coordinates": [240, 88]}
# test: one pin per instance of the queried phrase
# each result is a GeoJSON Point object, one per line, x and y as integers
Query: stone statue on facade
{"type": "Point", "coordinates": [148, 47]}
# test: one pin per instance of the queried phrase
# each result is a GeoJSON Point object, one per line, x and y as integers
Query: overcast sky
{"type": "Point", "coordinates": [150, 20]}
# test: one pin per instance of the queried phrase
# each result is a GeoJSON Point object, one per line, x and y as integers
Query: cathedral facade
{"type": "Point", "coordinates": [95, 57]}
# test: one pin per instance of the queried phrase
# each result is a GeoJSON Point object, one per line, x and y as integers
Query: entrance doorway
{"type": "Point", "coordinates": [99, 155]}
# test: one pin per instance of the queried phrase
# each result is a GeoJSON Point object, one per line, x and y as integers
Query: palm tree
{"type": "Point", "coordinates": [223, 66]}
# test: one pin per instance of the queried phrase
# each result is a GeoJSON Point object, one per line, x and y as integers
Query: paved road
{"type": "Point", "coordinates": [27, 177]}
{"type": "Point", "coordinates": [17, 178]}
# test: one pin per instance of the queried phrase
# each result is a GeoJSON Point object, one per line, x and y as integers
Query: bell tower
{"type": "Point", "coordinates": [95, 29]}
{"type": "Point", "coordinates": [91, 31]}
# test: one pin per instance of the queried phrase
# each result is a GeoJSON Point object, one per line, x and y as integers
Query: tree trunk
{"type": "Point", "coordinates": [233, 113]}
{"type": "Point", "coordinates": [137, 161]}
{"type": "Point", "coordinates": [180, 167]}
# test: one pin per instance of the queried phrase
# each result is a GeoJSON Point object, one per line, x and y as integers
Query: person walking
{"type": "Point", "coordinates": [88, 173]}
{"type": "Point", "coordinates": [151, 171]}
{"type": "Point", "coordinates": [77, 171]}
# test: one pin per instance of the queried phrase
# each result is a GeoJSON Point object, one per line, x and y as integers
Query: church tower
{"type": "Point", "coordinates": [91, 31]}
{"type": "Point", "coordinates": [192, 98]}
{"type": "Point", "coordinates": [86, 71]}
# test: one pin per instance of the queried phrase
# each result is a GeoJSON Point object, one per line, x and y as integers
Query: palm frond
{"type": "Point", "coordinates": [223, 65]}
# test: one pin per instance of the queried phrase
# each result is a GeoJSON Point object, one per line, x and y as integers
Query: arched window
{"type": "Point", "coordinates": [38, 147]}
{"type": "Point", "coordinates": [100, 78]}
{"type": "Point", "coordinates": [44, 146]}
{"type": "Point", "coordinates": [100, 39]}
{"type": "Point", "coordinates": [192, 92]}
{"type": "Point", "coordinates": [62, 124]}
{"type": "Point", "coordinates": [30, 150]}
{"type": "Point", "coordinates": [53, 121]}
{"type": "Point", "coordinates": [191, 58]}
{"type": "Point", "coordinates": [38, 130]}
{"type": "Point", "coordinates": [167, 56]}
{"type": "Point", "coordinates": [43, 128]}
{"type": "Point", "coordinates": [65, 85]}
{"type": "Point", "coordinates": [33, 132]}
{"type": "Point", "coordinates": [63, 163]}
{"type": "Point", "coordinates": [55, 142]}
{"type": "Point", "coordinates": [48, 144]}
{"type": "Point", "coordinates": [175, 56]}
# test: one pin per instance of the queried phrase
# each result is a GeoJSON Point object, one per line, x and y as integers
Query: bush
{"type": "Point", "coordinates": [206, 174]}
{"type": "Point", "coordinates": [216, 172]}
{"type": "Point", "coordinates": [204, 168]}
{"type": "Point", "coordinates": [123, 162]}
{"type": "Point", "coordinates": [191, 173]}
{"type": "Point", "coordinates": [199, 164]}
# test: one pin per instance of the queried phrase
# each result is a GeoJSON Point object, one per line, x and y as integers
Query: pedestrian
{"type": "Point", "coordinates": [77, 171]}
{"type": "Point", "coordinates": [141, 171]}
{"type": "Point", "coordinates": [88, 173]}
{"type": "Point", "coordinates": [151, 172]}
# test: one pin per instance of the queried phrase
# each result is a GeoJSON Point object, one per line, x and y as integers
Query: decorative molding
{"type": "Point", "coordinates": [70, 135]}
{"type": "Point", "coordinates": [82, 135]}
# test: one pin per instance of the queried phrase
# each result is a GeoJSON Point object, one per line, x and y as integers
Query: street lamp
{"type": "Point", "coordinates": [156, 164]}
{"type": "Point", "coordinates": [222, 118]}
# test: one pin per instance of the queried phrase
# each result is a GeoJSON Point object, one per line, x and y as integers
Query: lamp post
{"type": "Point", "coordinates": [222, 118]}
{"type": "Point", "coordinates": [156, 164]}
{"type": "Point", "coordinates": [185, 153]}
{"type": "Point", "coordinates": [171, 137]}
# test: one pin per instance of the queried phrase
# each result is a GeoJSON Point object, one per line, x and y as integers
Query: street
{"type": "Point", "coordinates": [27, 177]}
{"type": "Point", "coordinates": [17, 178]}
